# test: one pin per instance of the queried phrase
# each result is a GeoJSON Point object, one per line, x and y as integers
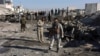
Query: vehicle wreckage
{"type": "Point", "coordinates": [87, 28]}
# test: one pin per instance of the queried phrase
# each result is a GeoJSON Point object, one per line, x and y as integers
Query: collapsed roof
{"type": "Point", "coordinates": [4, 11]}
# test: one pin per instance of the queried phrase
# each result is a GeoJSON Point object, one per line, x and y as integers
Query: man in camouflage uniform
{"type": "Point", "coordinates": [23, 23]}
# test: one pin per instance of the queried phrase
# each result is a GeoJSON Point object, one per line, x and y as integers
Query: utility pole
{"type": "Point", "coordinates": [67, 12]}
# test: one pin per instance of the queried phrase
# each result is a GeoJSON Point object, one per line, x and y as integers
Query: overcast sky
{"type": "Point", "coordinates": [48, 4]}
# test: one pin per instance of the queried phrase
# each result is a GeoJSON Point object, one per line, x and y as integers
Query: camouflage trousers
{"type": "Point", "coordinates": [23, 27]}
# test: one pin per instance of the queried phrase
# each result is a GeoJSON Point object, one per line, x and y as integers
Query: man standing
{"type": "Point", "coordinates": [57, 34]}
{"type": "Point", "coordinates": [23, 23]}
{"type": "Point", "coordinates": [40, 25]}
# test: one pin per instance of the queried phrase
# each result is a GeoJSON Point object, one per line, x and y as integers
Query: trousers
{"type": "Point", "coordinates": [23, 26]}
{"type": "Point", "coordinates": [40, 34]}
{"type": "Point", "coordinates": [56, 38]}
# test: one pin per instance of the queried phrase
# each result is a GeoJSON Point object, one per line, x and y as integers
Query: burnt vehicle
{"type": "Point", "coordinates": [81, 32]}
{"type": "Point", "coordinates": [78, 32]}
{"type": "Point", "coordinates": [12, 18]}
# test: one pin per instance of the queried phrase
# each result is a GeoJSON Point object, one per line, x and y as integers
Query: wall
{"type": "Point", "coordinates": [90, 8]}
{"type": "Point", "coordinates": [2, 2]}
{"type": "Point", "coordinates": [98, 6]}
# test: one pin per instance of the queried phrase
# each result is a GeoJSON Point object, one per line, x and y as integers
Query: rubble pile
{"type": "Point", "coordinates": [4, 11]}
{"type": "Point", "coordinates": [92, 20]}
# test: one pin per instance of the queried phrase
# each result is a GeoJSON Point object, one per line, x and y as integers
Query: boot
{"type": "Point", "coordinates": [49, 48]}
{"type": "Point", "coordinates": [57, 50]}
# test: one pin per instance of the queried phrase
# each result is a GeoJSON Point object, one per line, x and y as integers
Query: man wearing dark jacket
{"type": "Point", "coordinates": [57, 34]}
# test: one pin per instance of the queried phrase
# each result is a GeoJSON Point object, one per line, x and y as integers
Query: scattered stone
{"type": "Point", "coordinates": [37, 52]}
{"type": "Point", "coordinates": [3, 50]}
{"type": "Point", "coordinates": [14, 55]}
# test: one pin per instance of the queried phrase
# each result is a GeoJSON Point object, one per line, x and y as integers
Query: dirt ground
{"type": "Point", "coordinates": [13, 42]}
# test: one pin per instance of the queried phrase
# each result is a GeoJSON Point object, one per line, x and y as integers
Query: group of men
{"type": "Point", "coordinates": [57, 32]}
